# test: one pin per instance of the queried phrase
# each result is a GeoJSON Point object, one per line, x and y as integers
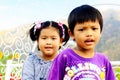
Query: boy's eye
{"type": "Point", "coordinates": [95, 28]}
{"type": "Point", "coordinates": [81, 30]}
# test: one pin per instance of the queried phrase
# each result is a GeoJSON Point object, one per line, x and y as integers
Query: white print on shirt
{"type": "Point", "coordinates": [85, 71]}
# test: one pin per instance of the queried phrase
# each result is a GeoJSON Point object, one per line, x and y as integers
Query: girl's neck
{"type": "Point", "coordinates": [47, 58]}
{"type": "Point", "coordinates": [86, 53]}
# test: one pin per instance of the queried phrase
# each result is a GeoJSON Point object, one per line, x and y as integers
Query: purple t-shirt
{"type": "Point", "coordinates": [70, 66]}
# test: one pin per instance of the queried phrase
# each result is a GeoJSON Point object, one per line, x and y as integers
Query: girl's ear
{"type": "Point", "coordinates": [61, 41]}
{"type": "Point", "coordinates": [70, 34]}
{"type": "Point", "coordinates": [38, 44]}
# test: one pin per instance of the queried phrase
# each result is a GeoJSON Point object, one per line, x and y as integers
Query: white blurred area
{"type": "Point", "coordinates": [19, 12]}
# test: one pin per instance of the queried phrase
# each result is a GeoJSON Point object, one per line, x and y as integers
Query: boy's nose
{"type": "Point", "coordinates": [89, 33]}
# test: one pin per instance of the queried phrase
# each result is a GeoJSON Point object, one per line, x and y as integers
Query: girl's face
{"type": "Point", "coordinates": [87, 34]}
{"type": "Point", "coordinates": [49, 42]}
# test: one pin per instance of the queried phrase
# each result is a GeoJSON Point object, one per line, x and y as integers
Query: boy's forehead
{"type": "Point", "coordinates": [88, 23]}
{"type": "Point", "coordinates": [85, 21]}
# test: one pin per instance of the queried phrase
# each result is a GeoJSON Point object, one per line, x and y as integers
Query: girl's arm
{"type": "Point", "coordinates": [28, 70]}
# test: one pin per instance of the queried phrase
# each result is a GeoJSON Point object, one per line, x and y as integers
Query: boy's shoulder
{"type": "Point", "coordinates": [66, 50]}
{"type": "Point", "coordinates": [101, 56]}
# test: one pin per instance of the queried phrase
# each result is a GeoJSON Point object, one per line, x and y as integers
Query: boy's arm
{"type": "Point", "coordinates": [110, 73]}
{"type": "Point", "coordinates": [57, 69]}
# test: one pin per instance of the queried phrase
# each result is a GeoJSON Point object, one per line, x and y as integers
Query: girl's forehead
{"type": "Point", "coordinates": [49, 31]}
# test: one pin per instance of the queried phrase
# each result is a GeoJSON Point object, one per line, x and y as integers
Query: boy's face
{"type": "Point", "coordinates": [87, 34]}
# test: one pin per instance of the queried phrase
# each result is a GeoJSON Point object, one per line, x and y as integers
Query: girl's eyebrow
{"type": "Point", "coordinates": [47, 36]}
{"type": "Point", "coordinates": [54, 36]}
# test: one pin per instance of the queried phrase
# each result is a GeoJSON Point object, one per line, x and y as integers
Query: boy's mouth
{"type": "Point", "coordinates": [89, 41]}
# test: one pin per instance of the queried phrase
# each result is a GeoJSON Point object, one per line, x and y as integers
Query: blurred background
{"type": "Point", "coordinates": [17, 16]}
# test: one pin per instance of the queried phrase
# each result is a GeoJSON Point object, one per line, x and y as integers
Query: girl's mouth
{"type": "Point", "coordinates": [48, 48]}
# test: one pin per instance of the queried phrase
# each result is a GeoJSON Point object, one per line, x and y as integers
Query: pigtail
{"type": "Point", "coordinates": [66, 35]}
{"type": "Point", "coordinates": [32, 34]}
{"type": "Point", "coordinates": [35, 30]}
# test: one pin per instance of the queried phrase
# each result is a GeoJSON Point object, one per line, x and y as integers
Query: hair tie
{"type": "Point", "coordinates": [61, 25]}
{"type": "Point", "coordinates": [37, 26]}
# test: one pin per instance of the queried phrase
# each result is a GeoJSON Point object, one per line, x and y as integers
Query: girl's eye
{"type": "Point", "coordinates": [43, 38]}
{"type": "Point", "coordinates": [53, 38]}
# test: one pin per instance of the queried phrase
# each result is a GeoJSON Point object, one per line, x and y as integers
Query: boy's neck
{"type": "Point", "coordinates": [86, 53]}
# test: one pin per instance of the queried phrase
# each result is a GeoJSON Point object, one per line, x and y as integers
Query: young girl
{"type": "Point", "coordinates": [49, 35]}
{"type": "Point", "coordinates": [82, 62]}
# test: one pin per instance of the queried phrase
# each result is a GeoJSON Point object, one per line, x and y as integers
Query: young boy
{"type": "Point", "coordinates": [82, 62]}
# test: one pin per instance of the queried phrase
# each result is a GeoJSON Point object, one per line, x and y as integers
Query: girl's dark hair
{"type": "Point", "coordinates": [83, 14]}
{"type": "Point", "coordinates": [63, 30]}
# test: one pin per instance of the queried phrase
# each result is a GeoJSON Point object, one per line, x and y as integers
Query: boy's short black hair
{"type": "Point", "coordinates": [83, 14]}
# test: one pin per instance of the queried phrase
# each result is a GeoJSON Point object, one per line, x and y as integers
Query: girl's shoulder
{"type": "Point", "coordinates": [32, 57]}
{"type": "Point", "coordinates": [36, 59]}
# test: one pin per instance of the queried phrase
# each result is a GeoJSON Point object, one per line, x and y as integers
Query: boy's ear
{"type": "Point", "coordinates": [70, 34]}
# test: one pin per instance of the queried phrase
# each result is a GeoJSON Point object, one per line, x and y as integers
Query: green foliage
{"type": "Point", "coordinates": [117, 73]}
{"type": "Point", "coordinates": [3, 61]}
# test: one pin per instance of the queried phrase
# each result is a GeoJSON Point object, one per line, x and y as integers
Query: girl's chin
{"type": "Point", "coordinates": [49, 54]}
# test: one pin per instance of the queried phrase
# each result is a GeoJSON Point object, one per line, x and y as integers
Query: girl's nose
{"type": "Point", "coordinates": [49, 41]}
